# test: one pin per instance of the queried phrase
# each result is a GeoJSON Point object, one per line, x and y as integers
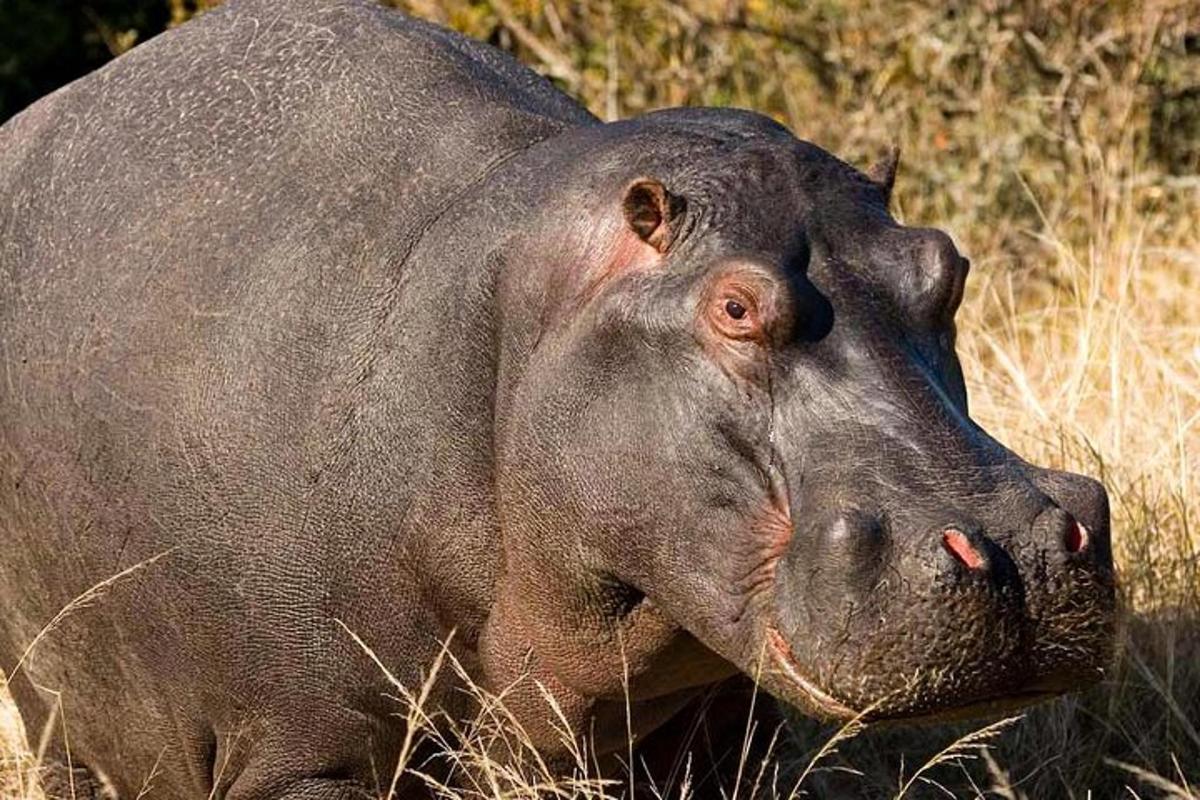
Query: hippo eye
{"type": "Point", "coordinates": [734, 309]}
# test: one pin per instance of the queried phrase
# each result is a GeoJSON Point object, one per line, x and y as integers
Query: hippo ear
{"type": "Point", "coordinates": [653, 213]}
{"type": "Point", "coordinates": [883, 172]}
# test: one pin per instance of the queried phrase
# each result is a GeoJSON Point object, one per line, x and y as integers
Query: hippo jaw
{"type": "Point", "coordinates": [812, 699]}
{"type": "Point", "coordinates": [821, 704]}
{"type": "Point", "coordinates": [910, 700]}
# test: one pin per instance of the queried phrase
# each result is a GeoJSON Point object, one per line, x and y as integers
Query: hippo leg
{"type": "Point", "coordinates": [76, 782]}
{"type": "Point", "coordinates": [321, 789]}
{"type": "Point", "coordinates": [725, 733]}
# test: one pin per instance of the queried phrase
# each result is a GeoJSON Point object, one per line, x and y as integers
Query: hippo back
{"type": "Point", "coordinates": [341, 123]}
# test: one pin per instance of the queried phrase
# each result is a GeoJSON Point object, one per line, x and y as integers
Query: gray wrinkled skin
{"type": "Point", "coordinates": [356, 324]}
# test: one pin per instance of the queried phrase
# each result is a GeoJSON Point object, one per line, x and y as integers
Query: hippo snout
{"type": "Point", "coordinates": [908, 613]}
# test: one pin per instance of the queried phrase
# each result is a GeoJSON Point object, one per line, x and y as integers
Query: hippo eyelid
{"type": "Point", "coordinates": [736, 304]}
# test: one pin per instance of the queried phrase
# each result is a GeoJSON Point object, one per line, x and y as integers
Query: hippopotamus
{"type": "Point", "coordinates": [336, 345]}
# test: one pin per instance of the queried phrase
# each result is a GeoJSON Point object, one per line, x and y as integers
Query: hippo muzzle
{"type": "Point", "coordinates": [949, 613]}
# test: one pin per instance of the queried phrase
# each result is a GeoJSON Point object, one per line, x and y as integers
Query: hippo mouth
{"type": "Point", "coordinates": [816, 698]}
{"type": "Point", "coordinates": [826, 705]}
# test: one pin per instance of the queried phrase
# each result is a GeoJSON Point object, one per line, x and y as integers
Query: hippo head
{"type": "Point", "coordinates": [739, 413]}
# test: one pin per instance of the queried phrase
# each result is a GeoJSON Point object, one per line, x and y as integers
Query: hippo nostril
{"type": "Point", "coordinates": [960, 547]}
{"type": "Point", "coordinates": [1076, 540]}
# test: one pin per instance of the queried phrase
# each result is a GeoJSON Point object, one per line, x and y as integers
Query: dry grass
{"type": "Point", "coordinates": [1058, 142]}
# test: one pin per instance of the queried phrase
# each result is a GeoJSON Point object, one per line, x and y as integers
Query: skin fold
{"type": "Point", "coordinates": [339, 323]}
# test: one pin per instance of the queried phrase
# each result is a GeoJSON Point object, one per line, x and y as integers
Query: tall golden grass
{"type": "Point", "coordinates": [1059, 142]}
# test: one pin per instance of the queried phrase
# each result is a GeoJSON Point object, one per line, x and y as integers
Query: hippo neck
{"type": "Point", "coordinates": [444, 354]}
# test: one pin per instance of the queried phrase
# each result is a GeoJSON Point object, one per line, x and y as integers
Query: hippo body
{"type": "Point", "coordinates": [217, 250]}
{"type": "Point", "coordinates": [325, 327]}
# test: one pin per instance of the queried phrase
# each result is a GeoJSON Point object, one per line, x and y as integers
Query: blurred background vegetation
{"type": "Point", "coordinates": [1059, 142]}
